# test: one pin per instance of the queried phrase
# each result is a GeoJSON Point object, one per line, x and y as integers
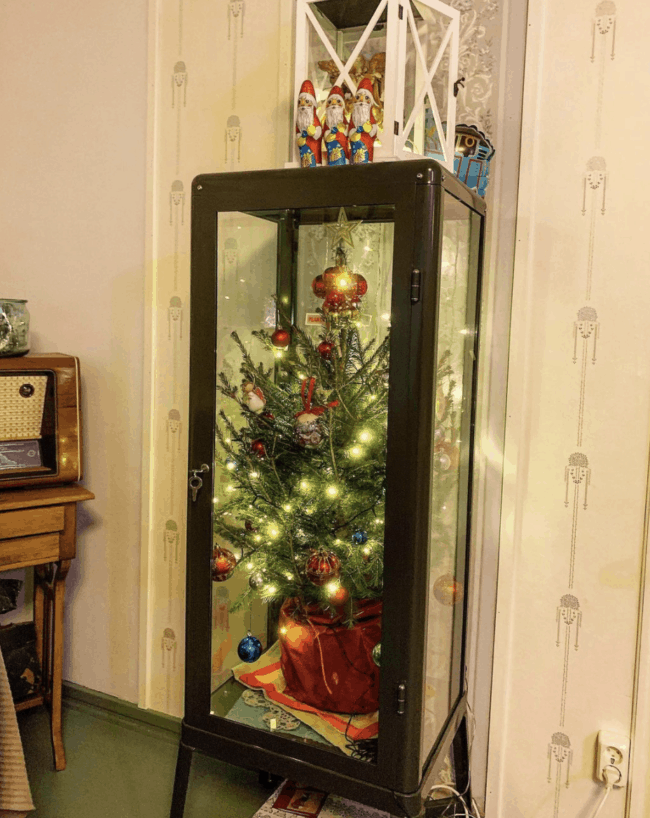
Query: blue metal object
{"type": "Point", "coordinates": [473, 153]}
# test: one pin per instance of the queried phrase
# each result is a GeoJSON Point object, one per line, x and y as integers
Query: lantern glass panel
{"type": "Point", "coordinates": [450, 467]}
{"type": "Point", "coordinates": [425, 96]}
{"type": "Point", "coordinates": [343, 29]}
{"type": "Point", "coordinates": [326, 497]}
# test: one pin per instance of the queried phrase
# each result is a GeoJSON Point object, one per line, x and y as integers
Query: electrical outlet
{"type": "Point", "coordinates": [612, 750]}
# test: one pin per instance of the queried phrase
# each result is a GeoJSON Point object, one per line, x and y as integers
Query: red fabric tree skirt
{"type": "Point", "coordinates": [328, 665]}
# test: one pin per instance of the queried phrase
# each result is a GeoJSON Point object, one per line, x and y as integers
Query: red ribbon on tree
{"type": "Point", "coordinates": [308, 387]}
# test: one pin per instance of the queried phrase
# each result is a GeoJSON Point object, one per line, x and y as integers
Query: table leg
{"type": "Point", "coordinates": [57, 662]}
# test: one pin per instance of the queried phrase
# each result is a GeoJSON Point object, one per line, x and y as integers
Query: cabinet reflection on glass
{"type": "Point", "coordinates": [300, 470]}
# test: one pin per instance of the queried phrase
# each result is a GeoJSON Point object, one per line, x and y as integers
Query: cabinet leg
{"type": "Point", "coordinates": [268, 780]}
{"type": "Point", "coordinates": [181, 780]}
{"type": "Point", "coordinates": [57, 663]}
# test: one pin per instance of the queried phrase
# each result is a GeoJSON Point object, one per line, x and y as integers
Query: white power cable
{"type": "Point", "coordinates": [612, 776]}
{"type": "Point", "coordinates": [454, 792]}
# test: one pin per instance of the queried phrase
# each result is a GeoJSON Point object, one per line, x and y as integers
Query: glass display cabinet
{"type": "Point", "coordinates": [333, 353]}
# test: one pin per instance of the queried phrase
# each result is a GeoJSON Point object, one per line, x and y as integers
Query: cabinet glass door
{"type": "Point", "coordinates": [450, 466]}
{"type": "Point", "coordinates": [302, 351]}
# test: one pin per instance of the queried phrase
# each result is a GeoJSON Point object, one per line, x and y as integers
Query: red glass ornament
{"type": "Point", "coordinates": [258, 448]}
{"type": "Point", "coordinates": [281, 338]}
{"type": "Point", "coordinates": [334, 302]}
{"type": "Point", "coordinates": [447, 590]}
{"type": "Point", "coordinates": [319, 288]}
{"type": "Point", "coordinates": [322, 567]}
{"type": "Point", "coordinates": [222, 564]}
{"type": "Point", "coordinates": [249, 526]}
{"type": "Point", "coordinates": [361, 285]}
{"type": "Point", "coordinates": [325, 350]}
{"type": "Point", "coordinates": [340, 596]}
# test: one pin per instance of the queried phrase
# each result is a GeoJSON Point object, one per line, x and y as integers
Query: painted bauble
{"type": "Point", "coordinates": [250, 648]}
{"type": "Point", "coordinates": [322, 566]}
{"type": "Point", "coordinates": [359, 538]}
{"type": "Point", "coordinates": [222, 564]}
{"type": "Point", "coordinates": [376, 654]}
{"type": "Point", "coordinates": [258, 448]}
{"type": "Point", "coordinates": [281, 338]}
{"type": "Point", "coordinates": [256, 580]}
{"type": "Point", "coordinates": [447, 590]}
{"type": "Point", "coordinates": [308, 430]}
{"type": "Point", "coordinates": [444, 461]}
{"type": "Point", "coordinates": [325, 350]}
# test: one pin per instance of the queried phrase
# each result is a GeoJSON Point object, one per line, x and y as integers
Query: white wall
{"type": "Point", "coordinates": [72, 216]}
{"type": "Point", "coordinates": [573, 540]}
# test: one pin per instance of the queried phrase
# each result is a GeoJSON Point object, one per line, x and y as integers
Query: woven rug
{"type": "Point", "coordinates": [338, 729]}
{"type": "Point", "coordinates": [15, 795]}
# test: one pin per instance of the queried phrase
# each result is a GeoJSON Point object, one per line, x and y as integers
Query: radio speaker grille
{"type": "Point", "coordinates": [22, 398]}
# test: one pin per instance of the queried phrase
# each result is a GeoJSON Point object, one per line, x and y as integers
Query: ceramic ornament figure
{"type": "Point", "coordinates": [363, 127]}
{"type": "Point", "coordinates": [335, 134]}
{"type": "Point", "coordinates": [308, 127]}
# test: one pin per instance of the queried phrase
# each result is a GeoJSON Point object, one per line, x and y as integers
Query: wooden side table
{"type": "Point", "coordinates": [38, 527]}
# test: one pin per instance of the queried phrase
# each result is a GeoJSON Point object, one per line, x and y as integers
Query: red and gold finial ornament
{"type": "Point", "coordinates": [341, 289]}
{"type": "Point", "coordinates": [222, 564]}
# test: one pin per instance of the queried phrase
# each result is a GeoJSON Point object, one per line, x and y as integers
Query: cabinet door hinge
{"type": "Point", "coordinates": [415, 286]}
{"type": "Point", "coordinates": [401, 698]}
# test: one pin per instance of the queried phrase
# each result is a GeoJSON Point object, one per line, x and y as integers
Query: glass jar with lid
{"type": "Point", "coordinates": [14, 327]}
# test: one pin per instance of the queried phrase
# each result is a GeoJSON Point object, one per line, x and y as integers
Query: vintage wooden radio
{"type": "Point", "coordinates": [40, 420]}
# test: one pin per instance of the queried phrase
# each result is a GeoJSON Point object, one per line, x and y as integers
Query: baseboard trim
{"type": "Point", "coordinates": [74, 694]}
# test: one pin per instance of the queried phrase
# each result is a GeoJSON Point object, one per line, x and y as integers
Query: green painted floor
{"type": "Point", "coordinates": [118, 770]}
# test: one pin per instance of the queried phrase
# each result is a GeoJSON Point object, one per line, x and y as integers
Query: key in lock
{"type": "Point", "coordinates": [195, 482]}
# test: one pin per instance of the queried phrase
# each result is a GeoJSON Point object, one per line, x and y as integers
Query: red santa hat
{"type": "Point", "coordinates": [336, 92]}
{"type": "Point", "coordinates": [366, 85]}
{"type": "Point", "coordinates": [307, 90]}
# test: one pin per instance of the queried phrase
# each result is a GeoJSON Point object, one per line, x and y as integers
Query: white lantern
{"type": "Point", "coordinates": [409, 51]}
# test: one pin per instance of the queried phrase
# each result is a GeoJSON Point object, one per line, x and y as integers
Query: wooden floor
{"type": "Point", "coordinates": [121, 769]}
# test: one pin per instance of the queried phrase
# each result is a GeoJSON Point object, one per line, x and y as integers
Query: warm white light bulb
{"type": "Point", "coordinates": [364, 436]}
{"type": "Point", "coordinates": [258, 538]}
{"type": "Point", "coordinates": [385, 316]}
{"type": "Point", "coordinates": [279, 353]}
{"type": "Point", "coordinates": [304, 485]}
{"type": "Point", "coordinates": [366, 549]}
{"type": "Point", "coordinates": [270, 589]}
{"type": "Point", "coordinates": [332, 587]}
{"type": "Point", "coordinates": [274, 532]}
{"type": "Point", "coordinates": [355, 451]}
{"type": "Point", "coordinates": [332, 491]}
{"type": "Point", "coordinates": [249, 566]}
{"type": "Point", "coordinates": [230, 465]}
{"type": "Point", "coordinates": [230, 488]}
{"type": "Point", "coordinates": [255, 474]}
{"type": "Point", "coordinates": [287, 507]}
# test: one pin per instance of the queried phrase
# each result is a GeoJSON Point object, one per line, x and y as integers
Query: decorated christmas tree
{"type": "Point", "coordinates": [305, 504]}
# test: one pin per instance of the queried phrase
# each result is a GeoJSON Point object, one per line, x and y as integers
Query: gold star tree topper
{"type": "Point", "coordinates": [341, 231]}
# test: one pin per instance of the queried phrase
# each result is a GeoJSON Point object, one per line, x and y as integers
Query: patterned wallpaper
{"type": "Point", "coordinates": [220, 101]}
{"type": "Point", "coordinates": [578, 413]}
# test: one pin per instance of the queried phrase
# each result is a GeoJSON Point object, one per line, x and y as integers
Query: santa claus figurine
{"type": "Point", "coordinates": [336, 142]}
{"type": "Point", "coordinates": [308, 127]}
{"type": "Point", "coordinates": [363, 127]}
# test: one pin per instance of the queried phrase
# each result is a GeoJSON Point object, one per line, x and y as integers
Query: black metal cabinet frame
{"type": "Point", "coordinates": [397, 782]}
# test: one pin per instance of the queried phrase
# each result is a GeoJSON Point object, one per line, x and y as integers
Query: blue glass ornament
{"type": "Point", "coordinates": [250, 648]}
{"type": "Point", "coordinates": [360, 538]}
